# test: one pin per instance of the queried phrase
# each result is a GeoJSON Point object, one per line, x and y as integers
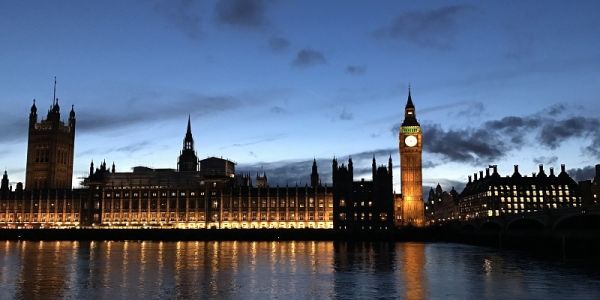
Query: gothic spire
{"type": "Point", "coordinates": [54, 97]}
{"type": "Point", "coordinates": [409, 103]}
{"type": "Point", "coordinates": [189, 126]}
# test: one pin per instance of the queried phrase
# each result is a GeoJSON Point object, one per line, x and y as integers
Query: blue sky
{"type": "Point", "coordinates": [271, 84]}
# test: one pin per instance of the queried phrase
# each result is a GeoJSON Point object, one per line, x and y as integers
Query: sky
{"type": "Point", "coordinates": [272, 84]}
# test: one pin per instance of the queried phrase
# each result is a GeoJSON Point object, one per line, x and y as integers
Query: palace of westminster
{"type": "Point", "coordinates": [209, 194]}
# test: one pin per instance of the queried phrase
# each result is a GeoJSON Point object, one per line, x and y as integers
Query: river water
{"type": "Point", "coordinates": [283, 270]}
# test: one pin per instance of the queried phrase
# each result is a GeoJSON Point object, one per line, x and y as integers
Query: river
{"type": "Point", "coordinates": [283, 270]}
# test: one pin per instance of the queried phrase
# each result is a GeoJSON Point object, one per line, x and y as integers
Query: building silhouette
{"type": "Point", "coordinates": [590, 189]}
{"type": "Point", "coordinates": [363, 205]}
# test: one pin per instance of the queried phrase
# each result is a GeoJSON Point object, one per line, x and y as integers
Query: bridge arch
{"type": "Point", "coordinates": [469, 227]}
{"type": "Point", "coordinates": [579, 222]}
{"type": "Point", "coordinates": [491, 226]}
{"type": "Point", "coordinates": [526, 224]}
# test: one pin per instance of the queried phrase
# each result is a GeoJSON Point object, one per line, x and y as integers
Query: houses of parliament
{"type": "Point", "coordinates": [204, 193]}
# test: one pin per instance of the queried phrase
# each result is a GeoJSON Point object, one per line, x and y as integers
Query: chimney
{"type": "Point", "coordinates": [516, 168]}
{"type": "Point", "coordinates": [495, 167]}
{"type": "Point", "coordinates": [541, 168]}
{"type": "Point", "coordinates": [562, 168]}
{"type": "Point", "coordinates": [532, 174]}
{"type": "Point", "coordinates": [469, 178]}
{"type": "Point", "coordinates": [475, 176]}
{"type": "Point", "coordinates": [487, 172]}
{"type": "Point", "coordinates": [551, 171]}
{"type": "Point", "coordinates": [481, 174]}
{"type": "Point", "coordinates": [597, 171]}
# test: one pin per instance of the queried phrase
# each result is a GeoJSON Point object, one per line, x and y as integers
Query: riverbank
{"type": "Point", "coordinates": [409, 234]}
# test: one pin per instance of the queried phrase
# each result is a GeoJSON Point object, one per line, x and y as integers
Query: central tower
{"type": "Point", "coordinates": [411, 149]}
{"type": "Point", "coordinates": [188, 160]}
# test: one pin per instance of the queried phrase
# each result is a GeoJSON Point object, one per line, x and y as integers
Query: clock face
{"type": "Point", "coordinates": [410, 141]}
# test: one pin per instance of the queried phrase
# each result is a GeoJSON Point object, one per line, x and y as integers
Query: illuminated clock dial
{"type": "Point", "coordinates": [410, 141]}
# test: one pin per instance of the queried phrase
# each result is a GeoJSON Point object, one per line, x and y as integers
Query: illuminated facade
{"type": "Point", "coordinates": [212, 197]}
{"type": "Point", "coordinates": [411, 149]}
{"type": "Point", "coordinates": [40, 208]}
{"type": "Point", "coordinates": [492, 195]}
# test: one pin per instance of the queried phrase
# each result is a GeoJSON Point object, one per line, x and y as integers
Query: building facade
{"type": "Point", "coordinates": [493, 195]}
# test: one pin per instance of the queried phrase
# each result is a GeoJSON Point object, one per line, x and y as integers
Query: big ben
{"type": "Point", "coordinates": [411, 149]}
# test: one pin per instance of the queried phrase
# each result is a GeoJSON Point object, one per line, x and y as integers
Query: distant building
{"type": "Point", "coordinates": [493, 195]}
{"type": "Point", "coordinates": [204, 193]}
{"type": "Point", "coordinates": [590, 189]}
{"type": "Point", "coordinates": [441, 206]}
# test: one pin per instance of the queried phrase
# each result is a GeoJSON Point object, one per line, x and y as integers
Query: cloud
{"type": "Point", "coordinates": [308, 57]}
{"type": "Point", "coordinates": [14, 129]}
{"type": "Point", "coordinates": [473, 110]}
{"type": "Point", "coordinates": [494, 139]}
{"type": "Point", "coordinates": [279, 44]}
{"type": "Point", "coordinates": [546, 160]}
{"type": "Point", "coordinates": [249, 14]}
{"type": "Point", "coordinates": [580, 174]}
{"type": "Point", "coordinates": [434, 28]}
{"type": "Point", "coordinates": [463, 145]}
{"type": "Point", "coordinates": [346, 115]}
{"type": "Point", "coordinates": [356, 69]}
{"type": "Point", "coordinates": [554, 133]}
{"type": "Point", "coordinates": [258, 140]}
{"type": "Point", "coordinates": [556, 109]}
{"type": "Point", "coordinates": [183, 14]}
{"type": "Point", "coordinates": [129, 149]}
{"type": "Point", "coordinates": [277, 110]}
{"type": "Point", "coordinates": [158, 107]}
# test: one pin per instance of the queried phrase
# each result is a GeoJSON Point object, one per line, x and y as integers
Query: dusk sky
{"type": "Point", "coordinates": [274, 84]}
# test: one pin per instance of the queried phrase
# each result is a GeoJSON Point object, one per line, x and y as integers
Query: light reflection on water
{"type": "Point", "coordinates": [260, 270]}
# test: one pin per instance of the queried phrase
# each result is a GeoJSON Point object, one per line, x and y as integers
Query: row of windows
{"type": "Point", "coordinates": [34, 217]}
{"type": "Point", "coordinates": [528, 193]}
{"type": "Point", "coordinates": [116, 204]}
{"type": "Point", "coordinates": [541, 199]}
{"type": "Point", "coordinates": [364, 216]}
{"type": "Point", "coordinates": [533, 187]}
{"type": "Point", "coordinates": [172, 217]}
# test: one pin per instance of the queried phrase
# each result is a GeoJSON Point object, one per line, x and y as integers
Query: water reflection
{"type": "Point", "coordinates": [257, 270]}
{"type": "Point", "coordinates": [412, 257]}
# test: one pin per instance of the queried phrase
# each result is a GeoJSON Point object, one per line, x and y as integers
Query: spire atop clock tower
{"type": "Point", "coordinates": [410, 115]}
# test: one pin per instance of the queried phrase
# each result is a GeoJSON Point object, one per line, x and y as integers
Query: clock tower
{"type": "Point", "coordinates": [411, 148]}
